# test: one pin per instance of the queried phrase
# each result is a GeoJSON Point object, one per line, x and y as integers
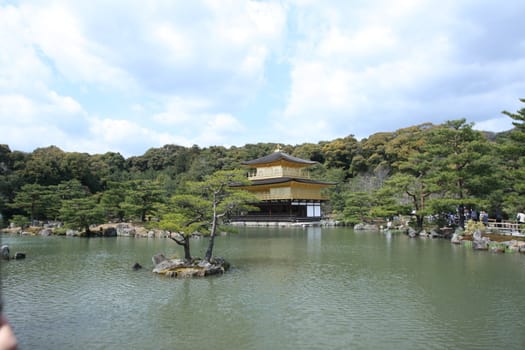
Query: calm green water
{"type": "Point", "coordinates": [314, 288]}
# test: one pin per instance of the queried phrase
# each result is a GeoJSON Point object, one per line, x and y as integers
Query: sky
{"type": "Point", "coordinates": [126, 76]}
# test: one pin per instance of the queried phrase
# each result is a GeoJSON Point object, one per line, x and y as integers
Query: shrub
{"type": "Point", "coordinates": [20, 221]}
{"type": "Point", "coordinates": [473, 226]}
{"type": "Point", "coordinates": [60, 231]}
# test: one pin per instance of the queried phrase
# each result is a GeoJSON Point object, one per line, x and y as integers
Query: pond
{"type": "Point", "coordinates": [289, 288]}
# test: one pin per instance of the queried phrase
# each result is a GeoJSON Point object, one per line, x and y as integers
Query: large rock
{"type": "Point", "coordinates": [109, 232]}
{"type": "Point", "coordinates": [480, 244]}
{"type": "Point", "coordinates": [436, 234]}
{"type": "Point", "coordinates": [456, 239]}
{"type": "Point", "coordinates": [171, 264]}
{"type": "Point", "coordinates": [477, 235]}
{"type": "Point", "coordinates": [5, 252]}
{"type": "Point", "coordinates": [366, 227]}
{"type": "Point", "coordinates": [459, 231]}
{"type": "Point", "coordinates": [164, 234]}
{"type": "Point", "coordinates": [512, 246]}
{"type": "Point", "coordinates": [19, 256]}
{"type": "Point", "coordinates": [157, 259]}
{"type": "Point", "coordinates": [497, 248]}
{"type": "Point", "coordinates": [446, 232]}
{"type": "Point", "coordinates": [46, 232]}
{"type": "Point", "coordinates": [411, 232]}
{"type": "Point", "coordinates": [140, 232]}
{"type": "Point", "coordinates": [72, 233]}
{"type": "Point", "coordinates": [125, 230]}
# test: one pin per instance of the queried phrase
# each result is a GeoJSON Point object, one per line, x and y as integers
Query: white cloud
{"type": "Point", "coordinates": [495, 125]}
{"type": "Point", "coordinates": [39, 43]}
{"type": "Point", "coordinates": [33, 136]}
{"type": "Point", "coordinates": [380, 66]}
{"type": "Point", "coordinates": [127, 76]}
{"type": "Point", "coordinates": [218, 129]}
{"type": "Point", "coordinates": [46, 108]}
{"type": "Point", "coordinates": [223, 126]}
{"type": "Point", "coordinates": [191, 122]}
{"type": "Point", "coordinates": [17, 109]}
{"type": "Point", "coordinates": [121, 135]}
{"type": "Point", "coordinates": [317, 87]}
{"type": "Point", "coordinates": [188, 48]}
{"type": "Point", "coordinates": [116, 131]}
{"type": "Point", "coordinates": [178, 48]}
{"type": "Point", "coordinates": [20, 67]}
{"type": "Point", "coordinates": [60, 45]}
{"type": "Point", "coordinates": [58, 33]}
{"type": "Point", "coordinates": [40, 121]}
{"type": "Point", "coordinates": [242, 24]}
{"type": "Point", "coordinates": [178, 110]}
{"type": "Point", "coordinates": [369, 41]}
{"type": "Point", "coordinates": [64, 104]}
{"type": "Point", "coordinates": [128, 137]}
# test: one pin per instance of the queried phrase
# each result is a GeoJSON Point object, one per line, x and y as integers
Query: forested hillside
{"type": "Point", "coordinates": [425, 169]}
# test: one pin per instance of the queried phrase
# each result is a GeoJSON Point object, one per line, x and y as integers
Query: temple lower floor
{"type": "Point", "coordinates": [284, 210]}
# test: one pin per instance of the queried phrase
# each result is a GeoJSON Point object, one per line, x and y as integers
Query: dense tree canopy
{"type": "Point", "coordinates": [422, 169]}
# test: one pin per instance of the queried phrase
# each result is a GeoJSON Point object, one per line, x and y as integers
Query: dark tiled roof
{"type": "Point", "coordinates": [279, 180]}
{"type": "Point", "coordinates": [276, 156]}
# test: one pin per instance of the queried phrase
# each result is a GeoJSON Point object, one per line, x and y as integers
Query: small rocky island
{"type": "Point", "coordinates": [182, 268]}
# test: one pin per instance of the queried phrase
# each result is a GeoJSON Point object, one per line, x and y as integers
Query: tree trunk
{"type": "Point", "coordinates": [419, 221]}
{"type": "Point", "coordinates": [211, 242]}
{"type": "Point", "coordinates": [186, 245]}
{"type": "Point", "coordinates": [33, 210]}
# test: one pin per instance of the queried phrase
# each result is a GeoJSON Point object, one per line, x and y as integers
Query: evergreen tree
{"type": "Point", "coordinates": [32, 199]}
{"type": "Point", "coordinates": [206, 207]}
{"type": "Point", "coordinates": [81, 213]}
{"type": "Point", "coordinates": [513, 151]}
{"type": "Point", "coordinates": [458, 153]}
{"type": "Point", "coordinates": [142, 198]}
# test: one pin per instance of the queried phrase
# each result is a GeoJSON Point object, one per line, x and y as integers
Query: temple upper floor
{"type": "Point", "coordinates": [269, 172]}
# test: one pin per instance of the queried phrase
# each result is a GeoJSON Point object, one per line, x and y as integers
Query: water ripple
{"type": "Point", "coordinates": [291, 290]}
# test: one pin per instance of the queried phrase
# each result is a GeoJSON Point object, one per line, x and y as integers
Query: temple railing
{"type": "Point", "coordinates": [274, 218]}
{"type": "Point", "coordinates": [277, 171]}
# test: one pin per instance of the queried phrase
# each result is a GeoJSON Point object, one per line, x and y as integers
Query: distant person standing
{"type": "Point", "coordinates": [520, 218]}
{"type": "Point", "coordinates": [484, 216]}
{"type": "Point", "coordinates": [473, 215]}
{"type": "Point", "coordinates": [499, 218]}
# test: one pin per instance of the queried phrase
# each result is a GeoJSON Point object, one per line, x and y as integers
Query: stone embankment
{"type": "Point", "coordinates": [492, 243]}
{"type": "Point", "coordinates": [477, 240]}
{"type": "Point", "coordinates": [123, 229]}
